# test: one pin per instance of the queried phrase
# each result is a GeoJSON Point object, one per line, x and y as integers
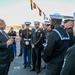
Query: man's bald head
{"type": "Point", "coordinates": [1, 21]}
{"type": "Point", "coordinates": [2, 24]}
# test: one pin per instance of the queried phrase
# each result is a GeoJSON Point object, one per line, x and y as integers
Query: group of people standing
{"type": "Point", "coordinates": [49, 43]}
{"type": "Point", "coordinates": [58, 41]}
{"type": "Point", "coordinates": [53, 43]}
{"type": "Point", "coordinates": [32, 43]}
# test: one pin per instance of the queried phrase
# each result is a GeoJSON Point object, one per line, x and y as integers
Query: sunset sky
{"type": "Point", "coordinates": [16, 12]}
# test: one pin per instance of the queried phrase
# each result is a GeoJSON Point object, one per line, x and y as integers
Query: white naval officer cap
{"type": "Point", "coordinates": [56, 16]}
{"type": "Point", "coordinates": [22, 24]}
{"type": "Point", "coordinates": [47, 23]}
{"type": "Point", "coordinates": [43, 23]}
{"type": "Point", "coordinates": [36, 22]}
{"type": "Point", "coordinates": [66, 20]}
{"type": "Point", "coordinates": [27, 23]}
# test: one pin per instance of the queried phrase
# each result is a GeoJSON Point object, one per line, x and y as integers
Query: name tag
{"type": "Point", "coordinates": [27, 42]}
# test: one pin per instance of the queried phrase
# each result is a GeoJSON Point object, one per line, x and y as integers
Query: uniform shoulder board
{"type": "Point", "coordinates": [61, 37]}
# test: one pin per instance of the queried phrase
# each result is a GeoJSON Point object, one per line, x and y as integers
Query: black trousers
{"type": "Point", "coordinates": [36, 58]}
{"type": "Point", "coordinates": [53, 68]}
{"type": "Point", "coordinates": [4, 68]}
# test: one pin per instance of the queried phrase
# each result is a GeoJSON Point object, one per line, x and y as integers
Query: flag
{"type": "Point", "coordinates": [34, 5]}
{"type": "Point", "coordinates": [40, 12]}
{"type": "Point", "coordinates": [31, 4]}
{"type": "Point", "coordinates": [44, 16]}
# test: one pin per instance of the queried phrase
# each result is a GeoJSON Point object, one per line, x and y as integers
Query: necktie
{"type": "Point", "coordinates": [3, 32]}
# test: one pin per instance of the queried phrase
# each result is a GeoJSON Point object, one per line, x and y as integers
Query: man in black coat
{"type": "Point", "coordinates": [37, 38]}
{"type": "Point", "coordinates": [46, 30]}
{"type": "Point", "coordinates": [6, 50]}
{"type": "Point", "coordinates": [57, 44]}
{"type": "Point", "coordinates": [68, 67]}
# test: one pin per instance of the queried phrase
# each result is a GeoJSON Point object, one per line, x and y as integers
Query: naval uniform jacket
{"type": "Point", "coordinates": [26, 38]}
{"type": "Point", "coordinates": [68, 67]}
{"type": "Point", "coordinates": [57, 44]}
{"type": "Point", "coordinates": [37, 38]}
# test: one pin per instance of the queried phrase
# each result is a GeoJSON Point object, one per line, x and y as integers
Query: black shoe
{"type": "Point", "coordinates": [24, 66]}
{"type": "Point", "coordinates": [19, 55]}
{"type": "Point", "coordinates": [43, 67]}
{"type": "Point", "coordinates": [29, 66]}
{"type": "Point", "coordinates": [38, 71]}
{"type": "Point", "coordinates": [33, 69]}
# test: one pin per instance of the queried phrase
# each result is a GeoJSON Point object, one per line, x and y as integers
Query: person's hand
{"type": "Point", "coordinates": [9, 31]}
{"type": "Point", "coordinates": [9, 42]}
{"type": "Point", "coordinates": [17, 39]}
{"type": "Point", "coordinates": [20, 34]}
{"type": "Point", "coordinates": [33, 46]}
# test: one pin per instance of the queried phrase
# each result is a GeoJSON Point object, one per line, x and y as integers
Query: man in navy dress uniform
{"type": "Point", "coordinates": [37, 38]}
{"type": "Point", "coordinates": [26, 48]}
{"type": "Point", "coordinates": [68, 67]}
{"type": "Point", "coordinates": [57, 44]}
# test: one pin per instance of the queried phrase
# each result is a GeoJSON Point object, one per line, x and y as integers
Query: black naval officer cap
{"type": "Point", "coordinates": [27, 23]}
